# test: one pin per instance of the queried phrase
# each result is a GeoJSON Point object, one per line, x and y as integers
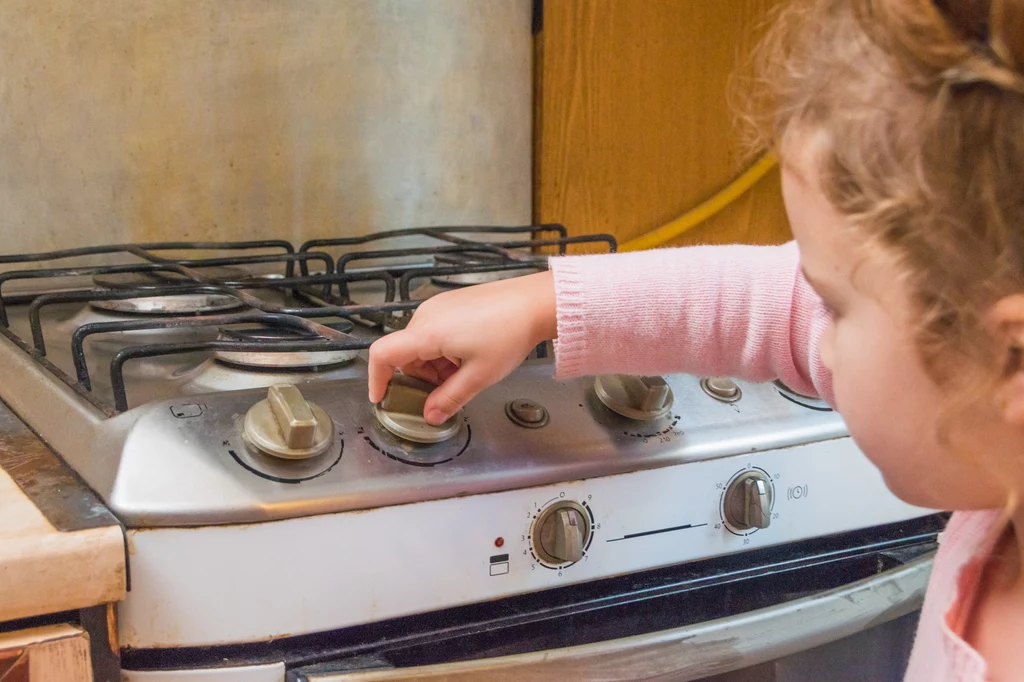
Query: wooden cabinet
{"type": "Point", "coordinates": [54, 653]}
{"type": "Point", "coordinates": [632, 124]}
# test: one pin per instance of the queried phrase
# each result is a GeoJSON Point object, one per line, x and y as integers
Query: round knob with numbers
{"type": "Point", "coordinates": [748, 501]}
{"type": "Point", "coordinates": [401, 412]}
{"type": "Point", "coordinates": [285, 425]}
{"type": "Point", "coordinates": [560, 533]}
{"type": "Point", "coordinates": [638, 398]}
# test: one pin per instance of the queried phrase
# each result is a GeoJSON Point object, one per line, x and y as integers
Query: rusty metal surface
{"type": "Point", "coordinates": [60, 495]}
{"type": "Point", "coordinates": [101, 624]}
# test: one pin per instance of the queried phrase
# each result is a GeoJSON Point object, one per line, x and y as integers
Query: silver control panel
{"type": "Point", "coordinates": [304, 449]}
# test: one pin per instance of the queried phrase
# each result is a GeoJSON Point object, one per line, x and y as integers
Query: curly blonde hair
{"type": "Point", "coordinates": [921, 107]}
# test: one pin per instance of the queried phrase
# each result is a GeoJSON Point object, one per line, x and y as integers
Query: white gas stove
{"type": "Point", "coordinates": [214, 395]}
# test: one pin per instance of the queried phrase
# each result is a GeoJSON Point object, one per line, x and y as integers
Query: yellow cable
{"type": "Point", "coordinates": [691, 219]}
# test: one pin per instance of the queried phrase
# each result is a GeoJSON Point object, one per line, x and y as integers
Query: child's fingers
{"type": "Point", "coordinates": [433, 371]}
{"type": "Point", "coordinates": [386, 355]}
{"type": "Point", "coordinates": [455, 392]}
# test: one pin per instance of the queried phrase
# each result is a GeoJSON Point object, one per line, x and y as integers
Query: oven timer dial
{"type": "Point", "coordinates": [748, 499]}
{"type": "Point", "coordinates": [560, 533]}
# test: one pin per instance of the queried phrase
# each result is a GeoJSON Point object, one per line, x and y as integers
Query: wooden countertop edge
{"type": "Point", "coordinates": [60, 548]}
{"type": "Point", "coordinates": [45, 573]}
{"type": "Point", "coordinates": [46, 570]}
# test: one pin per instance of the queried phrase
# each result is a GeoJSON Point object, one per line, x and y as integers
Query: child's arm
{"type": "Point", "coordinates": [738, 311]}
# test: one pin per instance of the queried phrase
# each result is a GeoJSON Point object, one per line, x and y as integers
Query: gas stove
{"type": "Point", "coordinates": [214, 395]}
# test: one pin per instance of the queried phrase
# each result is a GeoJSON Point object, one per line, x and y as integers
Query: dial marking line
{"type": "Point", "coordinates": [656, 532]}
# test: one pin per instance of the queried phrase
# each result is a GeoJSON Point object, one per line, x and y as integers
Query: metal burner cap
{"type": "Point", "coordinates": [150, 280]}
{"type": "Point", "coordinates": [472, 278]}
{"type": "Point", "coordinates": [299, 360]}
{"type": "Point", "coordinates": [185, 304]}
{"type": "Point", "coordinates": [261, 333]}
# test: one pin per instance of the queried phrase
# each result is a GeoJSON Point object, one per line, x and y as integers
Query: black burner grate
{"type": "Point", "coordinates": [321, 287]}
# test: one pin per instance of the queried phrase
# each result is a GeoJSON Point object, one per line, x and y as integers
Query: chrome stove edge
{"type": "Point", "coordinates": [68, 424]}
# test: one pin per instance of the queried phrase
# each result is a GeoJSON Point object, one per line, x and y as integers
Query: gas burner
{"type": "Point", "coordinates": [184, 304]}
{"type": "Point", "coordinates": [269, 360]}
{"type": "Point", "coordinates": [503, 268]}
{"type": "Point", "coordinates": [471, 278]}
{"type": "Point", "coordinates": [213, 376]}
{"type": "Point", "coordinates": [438, 284]}
{"type": "Point", "coordinates": [178, 329]}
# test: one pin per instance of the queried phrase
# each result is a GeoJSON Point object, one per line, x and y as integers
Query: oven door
{"type": "Point", "coordinates": [694, 652]}
{"type": "Point", "coordinates": [838, 608]}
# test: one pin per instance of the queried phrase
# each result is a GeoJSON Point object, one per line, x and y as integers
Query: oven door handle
{"type": "Point", "coordinates": [695, 651]}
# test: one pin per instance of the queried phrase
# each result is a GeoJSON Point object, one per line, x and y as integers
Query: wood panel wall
{"type": "Point", "coordinates": [632, 125]}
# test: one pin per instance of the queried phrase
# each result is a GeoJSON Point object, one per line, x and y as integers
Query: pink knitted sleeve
{"type": "Point", "coordinates": [739, 311]}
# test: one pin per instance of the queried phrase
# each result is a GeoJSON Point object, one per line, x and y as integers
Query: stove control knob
{"type": "Point", "coordinates": [401, 412]}
{"type": "Point", "coordinates": [639, 398]}
{"type": "Point", "coordinates": [560, 533]}
{"type": "Point", "coordinates": [527, 413]}
{"type": "Point", "coordinates": [748, 501]}
{"type": "Point", "coordinates": [285, 425]}
{"type": "Point", "coordinates": [721, 389]}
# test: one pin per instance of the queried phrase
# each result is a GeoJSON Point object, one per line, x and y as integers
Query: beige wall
{"type": "Point", "coordinates": [134, 120]}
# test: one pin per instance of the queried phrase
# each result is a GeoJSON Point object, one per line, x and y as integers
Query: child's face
{"type": "Point", "coordinates": [890, 404]}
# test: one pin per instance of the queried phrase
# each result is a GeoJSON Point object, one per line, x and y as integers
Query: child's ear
{"type": "Point", "coordinates": [1007, 322]}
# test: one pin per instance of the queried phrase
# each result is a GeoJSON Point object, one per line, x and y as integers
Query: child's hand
{"type": "Point", "coordinates": [466, 340]}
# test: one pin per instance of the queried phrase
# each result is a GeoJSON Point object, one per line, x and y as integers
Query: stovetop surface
{"type": "Point", "coordinates": [125, 325]}
{"type": "Point", "coordinates": [156, 410]}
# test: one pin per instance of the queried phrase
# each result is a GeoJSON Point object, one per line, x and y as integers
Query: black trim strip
{"type": "Point", "coordinates": [281, 479]}
{"type": "Point", "coordinates": [656, 532]}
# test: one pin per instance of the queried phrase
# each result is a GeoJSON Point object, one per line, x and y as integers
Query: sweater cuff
{"type": "Point", "coordinates": [570, 345]}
